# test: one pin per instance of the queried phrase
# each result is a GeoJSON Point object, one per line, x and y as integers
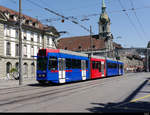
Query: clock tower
{"type": "Point", "coordinates": [104, 31]}
{"type": "Point", "coordinates": [104, 22]}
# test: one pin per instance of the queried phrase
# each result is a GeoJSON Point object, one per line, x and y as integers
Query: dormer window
{"type": "Point", "coordinates": [11, 17]}
{"type": "Point", "coordinates": [30, 22]}
{"type": "Point", "coordinates": [34, 24]}
{"type": "Point", "coordinates": [27, 22]}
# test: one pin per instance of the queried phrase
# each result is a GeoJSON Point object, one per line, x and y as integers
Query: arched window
{"type": "Point", "coordinates": [25, 69]}
{"type": "Point", "coordinates": [32, 68]}
{"type": "Point", "coordinates": [17, 66]}
{"type": "Point", "coordinates": [8, 67]}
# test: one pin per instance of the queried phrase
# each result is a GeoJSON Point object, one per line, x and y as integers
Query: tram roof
{"type": "Point", "coordinates": [66, 52]}
{"type": "Point", "coordinates": [97, 57]}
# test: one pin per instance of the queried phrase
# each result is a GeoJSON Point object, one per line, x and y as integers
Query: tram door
{"type": "Point", "coordinates": [62, 68]}
{"type": "Point", "coordinates": [103, 68]}
{"type": "Point", "coordinates": [83, 67]}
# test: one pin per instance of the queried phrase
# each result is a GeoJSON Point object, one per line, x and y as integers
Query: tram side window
{"type": "Point", "coordinates": [68, 63]}
{"type": "Point", "coordinates": [99, 66]}
{"type": "Point", "coordinates": [115, 65]}
{"type": "Point", "coordinates": [76, 64]}
{"type": "Point", "coordinates": [87, 65]}
{"type": "Point", "coordinates": [112, 65]}
{"type": "Point", "coordinates": [93, 65]}
{"type": "Point", "coordinates": [52, 63]}
{"type": "Point", "coordinates": [96, 67]}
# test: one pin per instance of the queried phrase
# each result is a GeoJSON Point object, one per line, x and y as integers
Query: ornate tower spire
{"type": "Point", "coordinates": [103, 4]}
{"type": "Point", "coordinates": [104, 21]}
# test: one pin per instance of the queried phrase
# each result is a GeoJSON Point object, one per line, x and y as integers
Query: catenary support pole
{"type": "Point", "coordinates": [20, 46]}
{"type": "Point", "coordinates": [91, 40]}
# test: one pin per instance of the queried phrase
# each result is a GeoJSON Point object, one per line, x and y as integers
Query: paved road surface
{"type": "Point", "coordinates": [128, 93]}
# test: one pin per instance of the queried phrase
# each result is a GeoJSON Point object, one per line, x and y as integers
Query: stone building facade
{"type": "Point", "coordinates": [132, 60]}
{"type": "Point", "coordinates": [35, 36]}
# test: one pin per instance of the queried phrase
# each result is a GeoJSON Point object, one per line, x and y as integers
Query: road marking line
{"type": "Point", "coordinates": [134, 100]}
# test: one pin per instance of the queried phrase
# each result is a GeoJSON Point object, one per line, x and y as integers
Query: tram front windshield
{"type": "Point", "coordinates": [42, 63]}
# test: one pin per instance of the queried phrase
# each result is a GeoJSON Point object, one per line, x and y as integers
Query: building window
{"type": "Point", "coordinates": [93, 46]}
{"type": "Point", "coordinates": [17, 34]}
{"type": "Point", "coordinates": [33, 24]}
{"type": "Point", "coordinates": [25, 38]}
{"type": "Point", "coordinates": [8, 48]}
{"type": "Point", "coordinates": [47, 41]}
{"type": "Point", "coordinates": [32, 36]}
{"type": "Point", "coordinates": [25, 35]}
{"type": "Point", "coordinates": [11, 17]}
{"type": "Point", "coordinates": [79, 47]}
{"type": "Point", "coordinates": [25, 50]}
{"type": "Point", "coordinates": [27, 22]}
{"type": "Point", "coordinates": [32, 51]}
{"type": "Point", "coordinates": [38, 38]}
{"type": "Point", "coordinates": [17, 50]}
{"type": "Point", "coordinates": [8, 31]}
{"type": "Point", "coordinates": [8, 67]}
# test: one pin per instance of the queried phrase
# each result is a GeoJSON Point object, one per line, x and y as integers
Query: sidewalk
{"type": "Point", "coordinates": [15, 83]}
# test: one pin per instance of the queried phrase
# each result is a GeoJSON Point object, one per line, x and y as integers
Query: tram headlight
{"type": "Point", "coordinates": [43, 75]}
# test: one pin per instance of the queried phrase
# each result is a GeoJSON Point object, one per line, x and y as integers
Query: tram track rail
{"type": "Point", "coordinates": [40, 93]}
{"type": "Point", "coordinates": [37, 86]}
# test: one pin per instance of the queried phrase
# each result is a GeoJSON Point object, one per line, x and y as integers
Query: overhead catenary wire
{"type": "Point", "coordinates": [63, 17]}
{"type": "Point", "coordinates": [138, 20]}
{"type": "Point", "coordinates": [130, 20]}
{"type": "Point", "coordinates": [87, 17]}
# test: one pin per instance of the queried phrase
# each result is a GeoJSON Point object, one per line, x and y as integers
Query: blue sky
{"type": "Point", "coordinates": [130, 28]}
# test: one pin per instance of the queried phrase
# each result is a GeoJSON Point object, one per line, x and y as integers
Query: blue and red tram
{"type": "Point", "coordinates": [97, 67]}
{"type": "Point", "coordinates": [62, 66]}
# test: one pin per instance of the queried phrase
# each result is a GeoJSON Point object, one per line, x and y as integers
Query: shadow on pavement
{"type": "Point", "coordinates": [120, 107]}
{"type": "Point", "coordinates": [41, 85]}
{"type": "Point", "coordinates": [124, 106]}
